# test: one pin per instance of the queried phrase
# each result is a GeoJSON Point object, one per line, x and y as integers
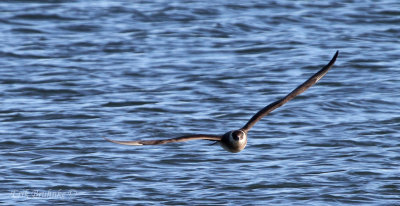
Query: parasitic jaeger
{"type": "Point", "coordinates": [236, 140]}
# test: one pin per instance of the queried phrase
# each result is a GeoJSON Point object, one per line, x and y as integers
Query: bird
{"type": "Point", "coordinates": [236, 140]}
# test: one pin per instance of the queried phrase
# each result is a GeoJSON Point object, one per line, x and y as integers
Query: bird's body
{"type": "Point", "coordinates": [236, 140]}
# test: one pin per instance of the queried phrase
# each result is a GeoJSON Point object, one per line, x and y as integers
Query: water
{"type": "Point", "coordinates": [73, 72]}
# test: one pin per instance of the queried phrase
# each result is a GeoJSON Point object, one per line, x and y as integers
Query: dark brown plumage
{"type": "Point", "coordinates": [236, 140]}
{"type": "Point", "coordinates": [165, 141]}
{"type": "Point", "coordinates": [300, 89]}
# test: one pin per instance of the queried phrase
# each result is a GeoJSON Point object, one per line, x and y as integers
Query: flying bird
{"type": "Point", "coordinates": [235, 141]}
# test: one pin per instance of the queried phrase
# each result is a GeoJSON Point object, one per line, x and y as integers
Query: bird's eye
{"type": "Point", "coordinates": [237, 135]}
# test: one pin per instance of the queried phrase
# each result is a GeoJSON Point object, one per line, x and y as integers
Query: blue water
{"type": "Point", "coordinates": [73, 72]}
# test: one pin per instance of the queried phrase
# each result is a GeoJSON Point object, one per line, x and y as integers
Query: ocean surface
{"type": "Point", "coordinates": [73, 72]}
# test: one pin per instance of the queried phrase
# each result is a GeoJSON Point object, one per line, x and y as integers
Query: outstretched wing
{"type": "Point", "coordinates": [300, 89]}
{"type": "Point", "coordinates": [164, 141]}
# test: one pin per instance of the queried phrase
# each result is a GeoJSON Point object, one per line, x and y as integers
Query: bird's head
{"type": "Point", "coordinates": [234, 141]}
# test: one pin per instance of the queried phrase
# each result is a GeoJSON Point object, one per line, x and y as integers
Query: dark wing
{"type": "Point", "coordinates": [178, 139]}
{"type": "Point", "coordinates": [300, 89]}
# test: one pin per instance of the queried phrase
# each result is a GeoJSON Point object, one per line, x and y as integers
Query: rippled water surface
{"type": "Point", "coordinates": [73, 72]}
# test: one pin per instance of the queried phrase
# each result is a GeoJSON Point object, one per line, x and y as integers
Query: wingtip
{"type": "Point", "coordinates": [335, 56]}
{"type": "Point", "coordinates": [124, 142]}
{"type": "Point", "coordinates": [107, 139]}
{"type": "Point", "coordinates": [333, 60]}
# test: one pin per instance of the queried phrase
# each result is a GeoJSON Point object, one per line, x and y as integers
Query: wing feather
{"type": "Point", "coordinates": [300, 89]}
{"type": "Point", "coordinates": [165, 141]}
